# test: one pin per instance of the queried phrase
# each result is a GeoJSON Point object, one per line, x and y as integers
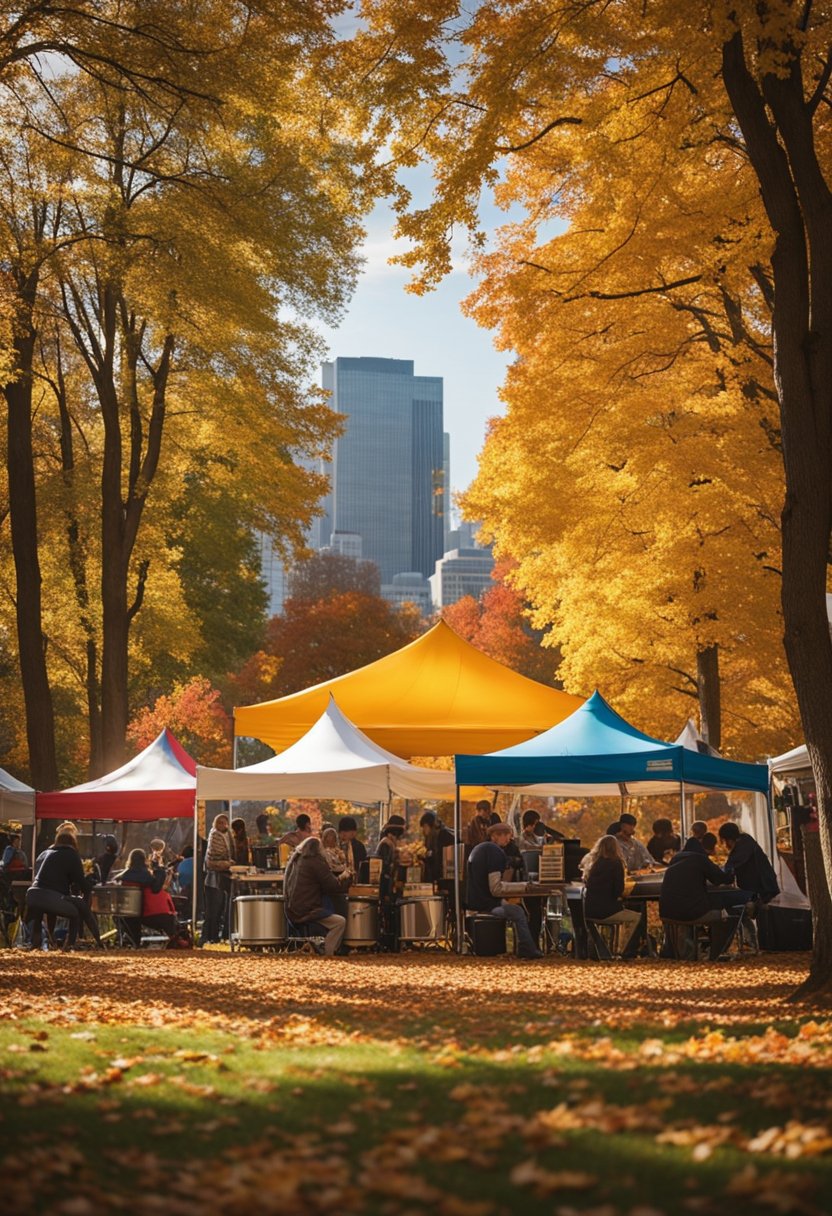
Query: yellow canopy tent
{"type": "Point", "coordinates": [435, 697]}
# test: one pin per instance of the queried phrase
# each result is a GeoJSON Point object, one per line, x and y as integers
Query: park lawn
{"type": "Point", "coordinates": [460, 1099]}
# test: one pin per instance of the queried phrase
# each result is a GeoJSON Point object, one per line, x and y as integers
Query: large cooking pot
{"type": "Point", "coordinates": [111, 899]}
{"type": "Point", "coordinates": [261, 920]}
{"type": "Point", "coordinates": [362, 923]}
{"type": "Point", "coordinates": [422, 920]}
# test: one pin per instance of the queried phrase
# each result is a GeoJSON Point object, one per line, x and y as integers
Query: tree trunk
{"type": "Point", "coordinates": [114, 567]}
{"type": "Point", "coordinates": [710, 703]}
{"type": "Point", "coordinates": [40, 718]}
{"type": "Point", "coordinates": [78, 565]}
{"type": "Point", "coordinates": [821, 902]}
{"type": "Point", "coordinates": [776, 120]}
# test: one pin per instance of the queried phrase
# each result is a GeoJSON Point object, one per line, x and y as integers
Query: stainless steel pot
{"type": "Point", "coordinates": [422, 920]}
{"type": "Point", "coordinates": [362, 923]}
{"type": "Point", "coordinates": [261, 920]}
{"type": "Point", "coordinates": [110, 899]}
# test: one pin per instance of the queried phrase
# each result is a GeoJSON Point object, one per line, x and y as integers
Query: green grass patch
{"type": "Point", "coordinates": [386, 1127]}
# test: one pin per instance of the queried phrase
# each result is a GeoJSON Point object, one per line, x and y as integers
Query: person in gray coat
{"type": "Point", "coordinates": [307, 880]}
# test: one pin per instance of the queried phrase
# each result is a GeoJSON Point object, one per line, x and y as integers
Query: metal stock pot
{"type": "Point", "coordinates": [111, 899]}
{"type": "Point", "coordinates": [422, 920]}
{"type": "Point", "coordinates": [261, 920]}
{"type": "Point", "coordinates": [362, 923]}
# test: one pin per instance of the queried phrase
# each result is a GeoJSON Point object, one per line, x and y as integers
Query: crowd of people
{"type": "Point", "coordinates": [498, 870]}
{"type": "Point", "coordinates": [60, 887]}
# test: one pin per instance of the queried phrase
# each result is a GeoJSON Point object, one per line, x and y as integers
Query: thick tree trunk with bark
{"type": "Point", "coordinates": [776, 116]}
{"type": "Point", "coordinates": [40, 719]}
{"type": "Point", "coordinates": [114, 568]}
{"type": "Point", "coordinates": [710, 703]}
{"type": "Point", "coordinates": [78, 565]}
{"type": "Point", "coordinates": [819, 895]}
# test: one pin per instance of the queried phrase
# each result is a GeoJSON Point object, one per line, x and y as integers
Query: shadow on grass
{"type": "Point", "coordinates": [362, 1111]}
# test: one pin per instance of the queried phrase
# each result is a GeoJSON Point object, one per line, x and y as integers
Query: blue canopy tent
{"type": "Point", "coordinates": [596, 752]}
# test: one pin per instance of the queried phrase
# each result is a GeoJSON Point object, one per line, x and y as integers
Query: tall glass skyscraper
{"type": "Point", "coordinates": [387, 469]}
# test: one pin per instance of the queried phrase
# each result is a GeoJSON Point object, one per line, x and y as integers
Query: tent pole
{"type": "Point", "coordinates": [457, 876]}
{"type": "Point", "coordinates": [683, 812]}
{"type": "Point", "coordinates": [195, 888]}
{"type": "Point", "coordinates": [772, 831]}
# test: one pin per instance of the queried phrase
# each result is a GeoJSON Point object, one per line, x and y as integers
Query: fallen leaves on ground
{"type": "Point", "coordinates": [483, 1029]}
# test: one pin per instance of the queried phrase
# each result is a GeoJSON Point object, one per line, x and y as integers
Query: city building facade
{"type": "Point", "coordinates": [459, 573]}
{"type": "Point", "coordinates": [387, 471]}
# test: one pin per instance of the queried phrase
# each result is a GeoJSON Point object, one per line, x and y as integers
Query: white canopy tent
{"type": "Point", "coordinates": [334, 759]}
{"type": "Point", "coordinates": [791, 763]}
{"type": "Point", "coordinates": [17, 800]}
{"type": "Point", "coordinates": [794, 763]}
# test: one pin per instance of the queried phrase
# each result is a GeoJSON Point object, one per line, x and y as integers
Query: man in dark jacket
{"type": "Point", "coordinates": [437, 837]}
{"type": "Point", "coordinates": [353, 849]}
{"type": "Point", "coordinates": [686, 897]}
{"type": "Point", "coordinates": [748, 864]}
{"type": "Point", "coordinates": [58, 872]}
{"type": "Point", "coordinates": [307, 880]}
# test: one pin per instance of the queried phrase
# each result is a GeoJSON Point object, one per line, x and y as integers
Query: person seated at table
{"type": "Point", "coordinates": [354, 850]}
{"type": "Point", "coordinates": [240, 852]}
{"type": "Point", "coordinates": [535, 833]}
{"type": "Point", "coordinates": [301, 831]}
{"type": "Point", "coordinates": [748, 863]}
{"type": "Point", "coordinates": [664, 842]}
{"type": "Point", "coordinates": [158, 911]}
{"type": "Point", "coordinates": [106, 858]}
{"type": "Point", "coordinates": [487, 890]}
{"type": "Point", "coordinates": [437, 838]}
{"type": "Point", "coordinates": [476, 830]}
{"type": "Point", "coordinates": [693, 844]}
{"type": "Point", "coordinates": [332, 852]}
{"type": "Point", "coordinates": [633, 851]}
{"type": "Point", "coordinates": [687, 895]}
{"type": "Point", "coordinates": [530, 840]}
{"type": "Point", "coordinates": [306, 884]}
{"type": "Point", "coordinates": [58, 890]}
{"type": "Point", "coordinates": [604, 879]}
{"type": "Point", "coordinates": [265, 834]}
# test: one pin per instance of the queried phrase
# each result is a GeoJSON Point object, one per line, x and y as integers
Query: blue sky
{"type": "Point", "coordinates": [385, 321]}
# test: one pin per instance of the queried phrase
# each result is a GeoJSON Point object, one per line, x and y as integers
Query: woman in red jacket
{"type": "Point", "coordinates": [158, 909]}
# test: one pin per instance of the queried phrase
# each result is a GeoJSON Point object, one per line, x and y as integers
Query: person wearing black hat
{"type": "Point", "coordinates": [436, 837]}
{"type": "Point", "coordinates": [389, 850]}
{"type": "Point", "coordinates": [353, 849]}
{"type": "Point", "coordinates": [389, 846]}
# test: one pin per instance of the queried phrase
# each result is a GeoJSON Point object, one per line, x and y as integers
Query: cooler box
{"type": "Point", "coordinates": [487, 934]}
{"type": "Point", "coordinates": [784, 929]}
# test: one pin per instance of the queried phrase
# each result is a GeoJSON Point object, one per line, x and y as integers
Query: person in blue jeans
{"type": "Point", "coordinates": [487, 891]}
